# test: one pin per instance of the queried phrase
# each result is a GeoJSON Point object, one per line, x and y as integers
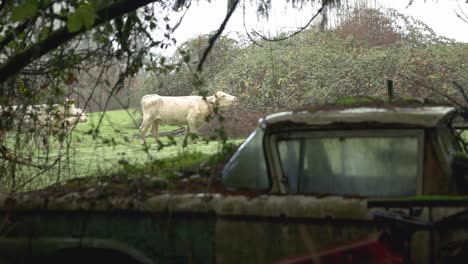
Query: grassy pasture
{"type": "Point", "coordinates": [103, 146]}
{"type": "Point", "coordinates": [106, 149]}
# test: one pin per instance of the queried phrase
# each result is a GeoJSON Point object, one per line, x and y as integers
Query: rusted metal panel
{"type": "Point", "coordinates": [257, 241]}
{"type": "Point", "coordinates": [148, 238]}
{"type": "Point", "coordinates": [433, 174]}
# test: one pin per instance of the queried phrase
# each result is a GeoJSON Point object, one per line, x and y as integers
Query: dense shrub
{"type": "Point", "coordinates": [237, 123]}
{"type": "Point", "coordinates": [317, 66]}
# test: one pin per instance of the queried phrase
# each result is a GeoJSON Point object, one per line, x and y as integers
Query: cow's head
{"type": "Point", "coordinates": [82, 116]}
{"type": "Point", "coordinates": [224, 100]}
{"type": "Point", "coordinates": [68, 105]}
{"type": "Point", "coordinates": [66, 109]}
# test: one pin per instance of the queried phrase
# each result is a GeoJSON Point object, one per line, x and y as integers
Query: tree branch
{"type": "Point", "coordinates": [7, 39]}
{"type": "Point", "coordinates": [324, 4]}
{"type": "Point", "coordinates": [462, 91]}
{"type": "Point", "coordinates": [15, 64]}
{"type": "Point", "coordinates": [20, 28]}
{"type": "Point", "coordinates": [245, 27]}
{"type": "Point", "coordinates": [217, 34]}
{"type": "Point", "coordinates": [461, 14]}
{"type": "Point", "coordinates": [453, 101]}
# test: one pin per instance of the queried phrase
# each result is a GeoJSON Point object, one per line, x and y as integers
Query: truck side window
{"type": "Point", "coordinates": [364, 165]}
{"type": "Point", "coordinates": [290, 161]}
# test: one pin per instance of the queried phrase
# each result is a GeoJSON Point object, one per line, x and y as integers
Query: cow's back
{"type": "Point", "coordinates": [172, 110]}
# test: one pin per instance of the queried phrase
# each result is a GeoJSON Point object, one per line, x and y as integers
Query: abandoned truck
{"type": "Point", "coordinates": [369, 183]}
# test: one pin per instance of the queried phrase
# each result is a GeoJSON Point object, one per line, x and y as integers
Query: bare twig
{"type": "Point", "coordinates": [245, 27]}
{"type": "Point", "coordinates": [218, 33]}
{"type": "Point", "coordinates": [319, 11]}
{"type": "Point", "coordinates": [461, 90]}
{"type": "Point", "coordinates": [440, 93]}
{"type": "Point", "coordinates": [43, 170]}
{"type": "Point", "coordinates": [461, 14]}
{"type": "Point", "coordinates": [181, 18]}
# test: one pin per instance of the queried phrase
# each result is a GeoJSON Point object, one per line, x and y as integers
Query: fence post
{"type": "Point", "coordinates": [390, 89]}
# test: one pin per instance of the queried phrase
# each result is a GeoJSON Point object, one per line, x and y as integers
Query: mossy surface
{"type": "Point", "coordinates": [461, 156]}
{"type": "Point", "coordinates": [373, 101]}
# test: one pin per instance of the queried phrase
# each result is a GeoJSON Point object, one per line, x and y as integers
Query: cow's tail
{"type": "Point", "coordinates": [143, 107]}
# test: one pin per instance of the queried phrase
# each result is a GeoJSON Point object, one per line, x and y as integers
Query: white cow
{"type": "Point", "coordinates": [62, 125]}
{"type": "Point", "coordinates": [191, 111]}
{"type": "Point", "coordinates": [39, 121]}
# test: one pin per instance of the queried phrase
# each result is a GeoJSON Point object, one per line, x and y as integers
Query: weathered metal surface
{"type": "Point", "coordinates": [204, 228]}
{"type": "Point", "coordinates": [423, 116]}
{"type": "Point", "coordinates": [260, 241]}
{"type": "Point", "coordinates": [299, 206]}
{"type": "Point", "coordinates": [148, 238]}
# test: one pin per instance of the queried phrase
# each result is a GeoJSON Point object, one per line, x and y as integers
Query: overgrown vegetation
{"type": "Point", "coordinates": [113, 64]}
{"type": "Point", "coordinates": [190, 171]}
{"type": "Point", "coordinates": [356, 57]}
{"type": "Point", "coordinates": [115, 150]}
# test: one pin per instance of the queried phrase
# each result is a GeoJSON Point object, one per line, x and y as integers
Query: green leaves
{"type": "Point", "coordinates": [44, 33]}
{"type": "Point", "coordinates": [74, 23]}
{"type": "Point", "coordinates": [84, 16]}
{"type": "Point", "coordinates": [24, 11]}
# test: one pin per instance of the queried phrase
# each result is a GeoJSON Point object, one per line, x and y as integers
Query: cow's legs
{"type": "Point", "coordinates": [37, 138]}
{"type": "Point", "coordinates": [187, 134]}
{"type": "Point", "coordinates": [144, 128]}
{"type": "Point", "coordinates": [191, 129]}
{"type": "Point", "coordinates": [154, 130]}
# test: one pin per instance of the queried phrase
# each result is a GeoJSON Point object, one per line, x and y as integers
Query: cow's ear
{"type": "Point", "coordinates": [69, 101]}
{"type": "Point", "coordinates": [212, 99]}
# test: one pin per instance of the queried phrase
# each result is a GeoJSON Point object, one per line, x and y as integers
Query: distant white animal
{"type": "Point", "coordinates": [62, 125]}
{"type": "Point", "coordinates": [40, 121]}
{"type": "Point", "coordinates": [189, 111]}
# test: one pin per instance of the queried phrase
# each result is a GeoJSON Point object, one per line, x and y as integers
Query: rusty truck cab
{"type": "Point", "coordinates": [362, 151]}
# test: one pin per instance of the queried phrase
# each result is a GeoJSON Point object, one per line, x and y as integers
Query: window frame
{"type": "Point", "coordinates": [275, 166]}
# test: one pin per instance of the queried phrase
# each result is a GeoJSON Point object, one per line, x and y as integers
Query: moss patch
{"type": "Point", "coordinates": [461, 156]}
{"type": "Point", "coordinates": [373, 101]}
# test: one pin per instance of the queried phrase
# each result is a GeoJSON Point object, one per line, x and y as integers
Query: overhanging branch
{"type": "Point", "coordinates": [218, 33]}
{"type": "Point", "coordinates": [16, 63]}
{"type": "Point", "coordinates": [319, 11]}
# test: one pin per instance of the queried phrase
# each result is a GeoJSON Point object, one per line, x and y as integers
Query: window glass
{"type": "Point", "coordinates": [380, 165]}
{"type": "Point", "coordinates": [247, 167]}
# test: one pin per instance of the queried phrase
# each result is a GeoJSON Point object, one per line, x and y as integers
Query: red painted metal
{"type": "Point", "coordinates": [374, 249]}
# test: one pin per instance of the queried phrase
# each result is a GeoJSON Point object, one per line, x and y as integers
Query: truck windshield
{"type": "Point", "coordinates": [247, 167]}
{"type": "Point", "coordinates": [377, 163]}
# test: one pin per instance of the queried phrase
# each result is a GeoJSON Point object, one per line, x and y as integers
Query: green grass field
{"type": "Point", "coordinates": [117, 142]}
{"type": "Point", "coordinates": [113, 149]}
